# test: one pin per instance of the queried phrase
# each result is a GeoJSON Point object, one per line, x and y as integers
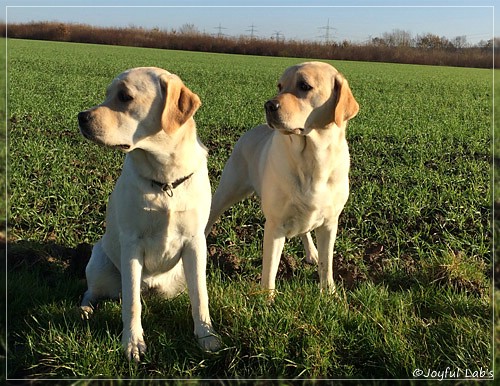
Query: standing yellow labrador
{"type": "Point", "coordinates": [159, 207]}
{"type": "Point", "coordinates": [298, 165]}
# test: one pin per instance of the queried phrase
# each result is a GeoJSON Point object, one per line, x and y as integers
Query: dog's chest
{"type": "Point", "coordinates": [162, 239]}
{"type": "Point", "coordinates": [302, 215]}
{"type": "Point", "coordinates": [161, 255]}
{"type": "Point", "coordinates": [308, 206]}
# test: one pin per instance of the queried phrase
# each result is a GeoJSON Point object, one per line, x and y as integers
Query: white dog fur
{"type": "Point", "coordinates": [298, 165]}
{"type": "Point", "coordinates": [158, 210]}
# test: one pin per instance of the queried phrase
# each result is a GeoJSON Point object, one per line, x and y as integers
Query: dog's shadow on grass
{"type": "Point", "coordinates": [44, 278]}
{"type": "Point", "coordinates": [50, 258]}
{"type": "Point", "coordinates": [46, 282]}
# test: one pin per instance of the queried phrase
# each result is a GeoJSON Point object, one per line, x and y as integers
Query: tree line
{"type": "Point", "coordinates": [397, 46]}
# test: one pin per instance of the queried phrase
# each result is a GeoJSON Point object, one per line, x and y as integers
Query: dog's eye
{"type": "Point", "coordinates": [124, 97]}
{"type": "Point", "coordinates": [304, 86]}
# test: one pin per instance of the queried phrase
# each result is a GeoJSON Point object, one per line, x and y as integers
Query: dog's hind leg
{"type": "Point", "coordinates": [103, 279]}
{"type": "Point", "coordinates": [233, 187]}
{"type": "Point", "coordinates": [310, 249]}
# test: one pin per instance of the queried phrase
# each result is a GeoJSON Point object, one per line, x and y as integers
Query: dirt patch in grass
{"type": "Point", "coordinates": [224, 260]}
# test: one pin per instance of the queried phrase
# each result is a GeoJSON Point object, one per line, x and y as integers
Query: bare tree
{"type": "Point", "coordinates": [397, 38]}
{"type": "Point", "coordinates": [431, 42]}
{"type": "Point", "coordinates": [189, 29]}
{"type": "Point", "coordinates": [460, 42]}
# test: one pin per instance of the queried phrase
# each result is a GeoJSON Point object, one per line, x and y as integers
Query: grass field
{"type": "Point", "coordinates": [413, 259]}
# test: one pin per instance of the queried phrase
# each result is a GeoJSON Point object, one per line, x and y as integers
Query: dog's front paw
{"type": "Point", "coordinates": [86, 312]}
{"type": "Point", "coordinates": [134, 346]}
{"type": "Point", "coordinates": [329, 288]}
{"type": "Point", "coordinates": [210, 342]}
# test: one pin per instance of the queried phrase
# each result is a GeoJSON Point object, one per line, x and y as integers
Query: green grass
{"type": "Point", "coordinates": [3, 193]}
{"type": "Point", "coordinates": [413, 256]}
{"type": "Point", "coordinates": [3, 147]}
{"type": "Point", "coordinates": [496, 189]}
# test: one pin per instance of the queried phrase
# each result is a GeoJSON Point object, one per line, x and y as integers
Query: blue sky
{"type": "Point", "coordinates": [347, 20]}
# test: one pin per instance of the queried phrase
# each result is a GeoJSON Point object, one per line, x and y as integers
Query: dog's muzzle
{"type": "Point", "coordinates": [85, 125]}
{"type": "Point", "coordinates": [272, 108]}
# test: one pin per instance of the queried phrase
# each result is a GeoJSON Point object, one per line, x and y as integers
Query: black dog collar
{"type": "Point", "coordinates": [168, 187]}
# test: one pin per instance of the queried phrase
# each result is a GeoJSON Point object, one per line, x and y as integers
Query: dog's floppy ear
{"type": "Point", "coordinates": [346, 106]}
{"type": "Point", "coordinates": [180, 103]}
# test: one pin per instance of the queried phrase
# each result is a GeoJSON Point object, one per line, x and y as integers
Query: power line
{"type": "Point", "coordinates": [219, 33]}
{"type": "Point", "coordinates": [252, 31]}
{"type": "Point", "coordinates": [327, 29]}
{"type": "Point", "coordinates": [278, 36]}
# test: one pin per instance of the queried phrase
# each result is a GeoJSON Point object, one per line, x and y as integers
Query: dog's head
{"type": "Point", "coordinates": [312, 95]}
{"type": "Point", "coordinates": [140, 104]}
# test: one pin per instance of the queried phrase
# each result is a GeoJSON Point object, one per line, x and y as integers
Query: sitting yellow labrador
{"type": "Point", "coordinates": [158, 210]}
{"type": "Point", "coordinates": [298, 165]}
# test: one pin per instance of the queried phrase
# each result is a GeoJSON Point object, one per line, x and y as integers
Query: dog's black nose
{"type": "Point", "coordinates": [272, 105]}
{"type": "Point", "coordinates": [83, 118]}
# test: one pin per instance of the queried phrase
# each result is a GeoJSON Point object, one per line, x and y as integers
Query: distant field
{"type": "Point", "coordinates": [414, 250]}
